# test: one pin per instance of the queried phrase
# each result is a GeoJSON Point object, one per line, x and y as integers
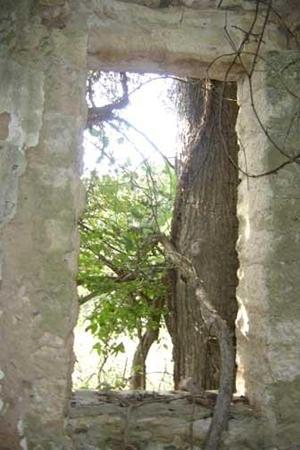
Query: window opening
{"type": "Point", "coordinates": [154, 229]}
{"type": "Point", "coordinates": [130, 179]}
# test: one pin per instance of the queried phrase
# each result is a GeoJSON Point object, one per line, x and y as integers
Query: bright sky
{"type": "Point", "coordinates": [151, 112]}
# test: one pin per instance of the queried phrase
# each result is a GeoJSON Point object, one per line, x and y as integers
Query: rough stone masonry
{"type": "Point", "coordinates": [46, 48]}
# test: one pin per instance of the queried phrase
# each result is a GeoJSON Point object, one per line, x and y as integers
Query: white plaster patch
{"type": "Point", "coordinates": [16, 133]}
{"type": "Point", "coordinates": [23, 444]}
{"type": "Point", "coordinates": [242, 320]}
{"type": "Point", "coordinates": [21, 130]}
{"type": "Point", "coordinates": [20, 427]}
{"type": "Point", "coordinates": [240, 273]}
{"type": "Point", "coordinates": [2, 375]}
{"type": "Point", "coordinates": [243, 216]}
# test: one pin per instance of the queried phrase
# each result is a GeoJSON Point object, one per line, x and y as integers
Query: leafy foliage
{"type": "Point", "coordinates": [121, 263]}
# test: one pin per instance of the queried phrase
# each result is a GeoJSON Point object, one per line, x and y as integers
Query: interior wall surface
{"type": "Point", "coordinates": [42, 112]}
{"type": "Point", "coordinates": [268, 323]}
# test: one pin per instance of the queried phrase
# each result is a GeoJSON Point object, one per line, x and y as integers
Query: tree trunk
{"type": "Point", "coordinates": [138, 367]}
{"type": "Point", "coordinates": [204, 229]}
{"type": "Point", "coordinates": [138, 370]}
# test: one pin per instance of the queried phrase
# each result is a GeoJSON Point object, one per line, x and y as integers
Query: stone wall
{"type": "Point", "coordinates": [268, 323]}
{"type": "Point", "coordinates": [43, 57]}
{"type": "Point", "coordinates": [149, 421]}
{"type": "Point", "coordinates": [42, 95]}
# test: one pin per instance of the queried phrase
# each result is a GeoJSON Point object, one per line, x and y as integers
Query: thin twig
{"type": "Point", "coordinates": [141, 133]}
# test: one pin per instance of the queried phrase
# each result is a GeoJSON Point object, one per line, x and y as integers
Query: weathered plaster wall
{"type": "Point", "coordinates": [42, 95]}
{"type": "Point", "coordinates": [269, 246]}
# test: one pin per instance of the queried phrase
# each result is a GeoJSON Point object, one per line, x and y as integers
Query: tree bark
{"type": "Point", "coordinates": [214, 322]}
{"type": "Point", "coordinates": [204, 229]}
{"type": "Point", "coordinates": [138, 371]}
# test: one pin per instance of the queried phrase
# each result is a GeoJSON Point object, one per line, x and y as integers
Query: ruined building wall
{"type": "Point", "coordinates": [42, 94]}
{"type": "Point", "coordinates": [268, 324]}
{"type": "Point", "coordinates": [42, 73]}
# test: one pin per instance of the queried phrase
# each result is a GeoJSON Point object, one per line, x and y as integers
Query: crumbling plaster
{"type": "Point", "coordinates": [43, 74]}
{"type": "Point", "coordinates": [268, 323]}
{"type": "Point", "coordinates": [46, 47]}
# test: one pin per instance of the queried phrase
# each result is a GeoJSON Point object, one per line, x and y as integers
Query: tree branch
{"type": "Point", "coordinates": [130, 125]}
{"type": "Point", "coordinates": [213, 321]}
{"type": "Point", "coordinates": [98, 114]}
{"type": "Point", "coordinates": [86, 298]}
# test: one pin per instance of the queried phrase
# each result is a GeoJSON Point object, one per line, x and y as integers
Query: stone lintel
{"type": "Point", "coordinates": [176, 40]}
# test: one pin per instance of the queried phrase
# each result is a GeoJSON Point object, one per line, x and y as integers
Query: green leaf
{"type": "Point", "coordinates": [118, 260]}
